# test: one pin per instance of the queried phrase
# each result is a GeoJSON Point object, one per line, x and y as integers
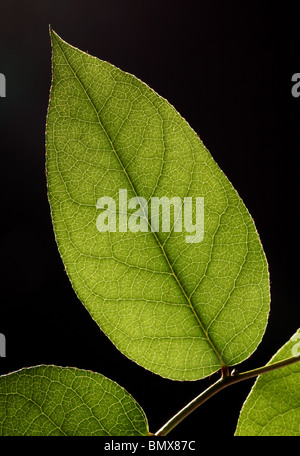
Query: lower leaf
{"type": "Point", "coordinates": [54, 401]}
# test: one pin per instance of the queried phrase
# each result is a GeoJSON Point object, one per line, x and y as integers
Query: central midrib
{"type": "Point", "coordinates": [149, 224]}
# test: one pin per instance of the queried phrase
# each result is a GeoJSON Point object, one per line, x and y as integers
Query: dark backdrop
{"type": "Point", "coordinates": [227, 68]}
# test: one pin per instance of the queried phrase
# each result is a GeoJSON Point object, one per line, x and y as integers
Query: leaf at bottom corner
{"type": "Point", "coordinates": [54, 401]}
{"type": "Point", "coordinates": [273, 405]}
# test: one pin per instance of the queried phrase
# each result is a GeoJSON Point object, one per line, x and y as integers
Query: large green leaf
{"type": "Point", "coordinates": [273, 405]}
{"type": "Point", "coordinates": [180, 309]}
{"type": "Point", "coordinates": [51, 400]}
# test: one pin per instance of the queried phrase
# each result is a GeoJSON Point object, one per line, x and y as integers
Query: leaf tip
{"type": "Point", "coordinates": [52, 33]}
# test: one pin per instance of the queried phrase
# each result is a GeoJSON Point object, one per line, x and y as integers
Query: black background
{"type": "Point", "coordinates": [227, 68]}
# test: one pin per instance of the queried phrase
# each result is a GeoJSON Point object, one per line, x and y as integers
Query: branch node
{"type": "Point", "coordinates": [225, 371]}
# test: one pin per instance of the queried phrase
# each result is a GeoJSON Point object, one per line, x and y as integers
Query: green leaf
{"type": "Point", "coordinates": [178, 308]}
{"type": "Point", "coordinates": [51, 400]}
{"type": "Point", "coordinates": [273, 405]}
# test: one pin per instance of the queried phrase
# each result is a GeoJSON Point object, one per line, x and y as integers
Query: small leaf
{"type": "Point", "coordinates": [51, 400]}
{"type": "Point", "coordinates": [273, 405]}
{"type": "Point", "coordinates": [179, 305]}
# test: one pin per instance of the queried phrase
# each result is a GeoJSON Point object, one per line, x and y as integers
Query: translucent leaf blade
{"type": "Point", "coordinates": [178, 309]}
{"type": "Point", "coordinates": [273, 405]}
{"type": "Point", "coordinates": [57, 401]}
